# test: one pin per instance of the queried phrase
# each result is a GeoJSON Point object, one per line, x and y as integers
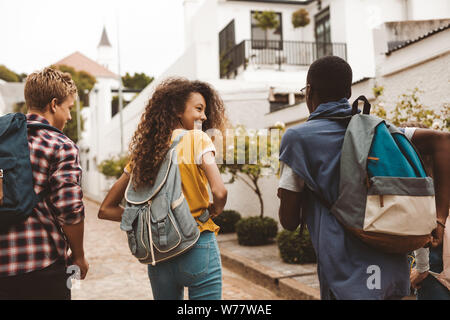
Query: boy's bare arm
{"type": "Point", "coordinates": [437, 145]}
{"type": "Point", "coordinates": [74, 234]}
{"type": "Point", "coordinates": [290, 206]}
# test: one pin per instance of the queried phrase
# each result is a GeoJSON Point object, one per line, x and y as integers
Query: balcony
{"type": "Point", "coordinates": [276, 53]}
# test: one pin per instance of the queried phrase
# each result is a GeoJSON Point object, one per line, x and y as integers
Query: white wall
{"type": "Point", "coordinates": [432, 9]}
{"type": "Point", "coordinates": [241, 13]}
{"type": "Point", "coordinates": [106, 56]}
{"type": "Point", "coordinates": [206, 40]}
{"type": "Point", "coordinates": [190, 7]}
{"type": "Point", "coordinates": [2, 105]}
{"type": "Point", "coordinates": [364, 88]}
{"type": "Point", "coordinates": [425, 65]}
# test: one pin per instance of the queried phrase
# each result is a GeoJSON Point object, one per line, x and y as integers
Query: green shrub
{"type": "Point", "coordinates": [254, 231]}
{"type": "Point", "coordinates": [294, 249]}
{"type": "Point", "coordinates": [227, 221]}
{"type": "Point", "coordinates": [114, 166]}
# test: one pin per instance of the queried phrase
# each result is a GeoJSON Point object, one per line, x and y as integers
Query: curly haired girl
{"type": "Point", "coordinates": [175, 107]}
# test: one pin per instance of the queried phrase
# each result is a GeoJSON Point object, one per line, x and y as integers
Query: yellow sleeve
{"type": "Point", "coordinates": [202, 145]}
{"type": "Point", "coordinates": [128, 168]}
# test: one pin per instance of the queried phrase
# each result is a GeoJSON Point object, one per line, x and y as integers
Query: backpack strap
{"type": "Point", "coordinates": [178, 139]}
{"type": "Point", "coordinates": [37, 126]}
{"type": "Point", "coordinates": [321, 199]}
{"type": "Point", "coordinates": [366, 109]}
{"type": "Point", "coordinates": [204, 216]}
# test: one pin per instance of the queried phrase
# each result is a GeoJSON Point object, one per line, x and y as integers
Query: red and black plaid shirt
{"type": "Point", "coordinates": [37, 242]}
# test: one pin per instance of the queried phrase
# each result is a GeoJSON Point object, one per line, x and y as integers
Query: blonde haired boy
{"type": "Point", "coordinates": [34, 253]}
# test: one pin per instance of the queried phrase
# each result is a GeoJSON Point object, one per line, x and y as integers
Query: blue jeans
{"type": "Point", "coordinates": [199, 269]}
{"type": "Point", "coordinates": [430, 287]}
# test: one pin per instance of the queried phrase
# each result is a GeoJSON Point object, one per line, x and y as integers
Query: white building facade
{"type": "Point", "coordinates": [261, 84]}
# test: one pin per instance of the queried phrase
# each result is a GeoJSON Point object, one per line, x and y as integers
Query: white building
{"type": "Point", "coordinates": [11, 93]}
{"type": "Point", "coordinates": [2, 101]}
{"type": "Point", "coordinates": [259, 74]}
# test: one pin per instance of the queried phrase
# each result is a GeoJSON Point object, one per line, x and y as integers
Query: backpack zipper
{"type": "Point", "coordinates": [150, 233]}
{"type": "Point", "coordinates": [381, 201]}
{"type": "Point", "coordinates": [1, 187]}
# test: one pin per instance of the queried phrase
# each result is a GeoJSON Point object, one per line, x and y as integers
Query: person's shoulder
{"type": "Point", "coordinates": [296, 132]}
{"type": "Point", "coordinates": [62, 140]}
{"type": "Point", "coordinates": [198, 135]}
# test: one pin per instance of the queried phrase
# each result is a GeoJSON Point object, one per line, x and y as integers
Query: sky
{"type": "Point", "coordinates": [37, 33]}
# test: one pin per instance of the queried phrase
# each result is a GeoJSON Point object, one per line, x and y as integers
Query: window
{"type": "Point", "coordinates": [323, 33]}
{"type": "Point", "coordinates": [227, 38]}
{"type": "Point", "coordinates": [281, 101]}
{"type": "Point", "coordinates": [115, 105]}
{"type": "Point", "coordinates": [267, 39]}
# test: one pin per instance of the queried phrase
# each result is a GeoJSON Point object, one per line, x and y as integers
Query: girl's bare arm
{"type": "Point", "coordinates": [216, 184]}
{"type": "Point", "coordinates": [110, 208]}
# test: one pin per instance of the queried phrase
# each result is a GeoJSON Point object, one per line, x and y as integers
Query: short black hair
{"type": "Point", "coordinates": [331, 78]}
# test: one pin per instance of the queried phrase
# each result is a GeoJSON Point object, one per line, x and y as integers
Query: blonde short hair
{"type": "Point", "coordinates": [43, 86]}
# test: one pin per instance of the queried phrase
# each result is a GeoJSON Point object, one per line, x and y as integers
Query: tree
{"type": "Point", "coordinates": [138, 82]}
{"type": "Point", "coordinates": [20, 107]}
{"type": "Point", "coordinates": [9, 75]}
{"type": "Point", "coordinates": [409, 109]}
{"type": "Point", "coordinates": [266, 20]}
{"type": "Point", "coordinates": [251, 154]}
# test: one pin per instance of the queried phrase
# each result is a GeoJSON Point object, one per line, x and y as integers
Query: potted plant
{"type": "Point", "coordinates": [300, 18]}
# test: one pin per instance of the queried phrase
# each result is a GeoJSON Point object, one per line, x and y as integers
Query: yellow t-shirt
{"type": "Point", "coordinates": [194, 184]}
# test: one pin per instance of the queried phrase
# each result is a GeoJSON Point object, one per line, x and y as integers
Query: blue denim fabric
{"type": "Point", "coordinates": [199, 269]}
{"type": "Point", "coordinates": [431, 288]}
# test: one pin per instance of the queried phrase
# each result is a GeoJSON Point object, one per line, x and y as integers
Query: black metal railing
{"type": "Point", "coordinates": [274, 52]}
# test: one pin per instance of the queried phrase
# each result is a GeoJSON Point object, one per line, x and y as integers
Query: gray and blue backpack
{"type": "Point", "coordinates": [385, 197]}
{"type": "Point", "coordinates": [157, 219]}
{"type": "Point", "coordinates": [17, 196]}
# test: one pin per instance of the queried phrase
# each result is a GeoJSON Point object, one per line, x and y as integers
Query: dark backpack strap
{"type": "Point", "coordinates": [366, 109]}
{"type": "Point", "coordinates": [319, 197]}
{"type": "Point", "coordinates": [37, 126]}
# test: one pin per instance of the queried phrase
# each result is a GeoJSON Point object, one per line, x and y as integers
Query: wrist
{"type": "Point", "coordinates": [440, 223]}
{"type": "Point", "coordinates": [78, 255]}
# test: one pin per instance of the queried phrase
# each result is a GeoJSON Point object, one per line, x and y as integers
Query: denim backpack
{"type": "Point", "coordinates": [17, 196]}
{"type": "Point", "coordinates": [157, 219]}
{"type": "Point", "coordinates": [385, 197]}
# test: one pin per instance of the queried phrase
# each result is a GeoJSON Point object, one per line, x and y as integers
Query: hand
{"type": "Point", "coordinates": [212, 210]}
{"type": "Point", "coordinates": [438, 236]}
{"type": "Point", "coordinates": [82, 263]}
{"type": "Point", "coordinates": [416, 278]}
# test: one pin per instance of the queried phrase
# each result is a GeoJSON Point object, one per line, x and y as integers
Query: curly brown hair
{"type": "Point", "coordinates": [151, 141]}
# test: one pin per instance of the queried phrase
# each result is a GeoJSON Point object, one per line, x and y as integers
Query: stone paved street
{"type": "Point", "coordinates": [115, 274]}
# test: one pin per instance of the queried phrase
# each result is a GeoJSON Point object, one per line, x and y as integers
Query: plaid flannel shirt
{"type": "Point", "coordinates": [38, 241]}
